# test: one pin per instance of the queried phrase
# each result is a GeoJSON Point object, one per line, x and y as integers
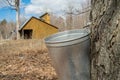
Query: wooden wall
{"type": "Point", "coordinates": [40, 29]}
{"type": "Point", "coordinates": [46, 18]}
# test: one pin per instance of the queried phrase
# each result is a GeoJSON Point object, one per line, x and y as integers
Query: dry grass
{"type": "Point", "coordinates": [15, 46]}
{"type": "Point", "coordinates": [25, 60]}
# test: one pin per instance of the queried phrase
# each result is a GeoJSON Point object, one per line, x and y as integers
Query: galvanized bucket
{"type": "Point", "coordinates": [69, 51]}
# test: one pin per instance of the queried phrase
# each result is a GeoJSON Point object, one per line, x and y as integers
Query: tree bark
{"type": "Point", "coordinates": [105, 40]}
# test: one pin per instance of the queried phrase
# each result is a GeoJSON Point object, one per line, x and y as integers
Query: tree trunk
{"type": "Point", "coordinates": [105, 40]}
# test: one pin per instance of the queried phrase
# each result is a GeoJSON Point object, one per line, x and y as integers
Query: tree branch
{"type": "Point", "coordinates": [10, 3]}
{"type": "Point", "coordinates": [82, 12]}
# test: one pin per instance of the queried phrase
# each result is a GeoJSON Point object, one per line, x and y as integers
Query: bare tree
{"type": "Point", "coordinates": [69, 16]}
{"type": "Point", "coordinates": [1, 36]}
{"type": "Point", "coordinates": [6, 29]}
{"type": "Point", "coordinates": [3, 28]}
{"type": "Point", "coordinates": [58, 22]}
{"type": "Point", "coordinates": [77, 17]}
{"type": "Point", "coordinates": [15, 5]}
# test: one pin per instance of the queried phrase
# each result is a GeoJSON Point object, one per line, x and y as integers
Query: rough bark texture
{"type": "Point", "coordinates": [105, 40]}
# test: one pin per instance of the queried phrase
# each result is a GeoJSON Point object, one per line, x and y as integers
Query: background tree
{"type": "Point", "coordinates": [57, 21]}
{"type": "Point", "coordinates": [105, 49]}
{"type": "Point", "coordinates": [3, 28]}
{"type": "Point", "coordinates": [3, 22]}
{"type": "Point", "coordinates": [6, 29]}
{"type": "Point", "coordinates": [1, 36]}
{"type": "Point", "coordinates": [77, 17]}
{"type": "Point", "coordinates": [15, 4]}
{"type": "Point", "coordinates": [69, 16]}
{"type": "Point", "coordinates": [73, 18]}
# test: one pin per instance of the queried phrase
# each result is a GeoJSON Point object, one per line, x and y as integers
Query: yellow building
{"type": "Point", "coordinates": [37, 28]}
{"type": "Point", "coordinates": [45, 17]}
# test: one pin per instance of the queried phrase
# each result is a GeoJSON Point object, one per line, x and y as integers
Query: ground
{"type": "Point", "coordinates": [25, 60]}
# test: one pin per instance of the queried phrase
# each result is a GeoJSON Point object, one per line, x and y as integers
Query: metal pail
{"type": "Point", "coordinates": [69, 51]}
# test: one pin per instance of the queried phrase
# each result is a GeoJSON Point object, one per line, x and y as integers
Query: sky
{"type": "Point", "coordinates": [36, 8]}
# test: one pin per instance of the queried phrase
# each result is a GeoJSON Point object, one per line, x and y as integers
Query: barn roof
{"type": "Point", "coordinates": [27, 21]}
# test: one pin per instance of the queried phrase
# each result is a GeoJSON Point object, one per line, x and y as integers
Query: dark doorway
{"type": "Point", "coordinates": [28, 34]}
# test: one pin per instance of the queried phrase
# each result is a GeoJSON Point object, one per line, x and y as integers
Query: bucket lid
{"type": "Point", "coordinates": [67, 36]}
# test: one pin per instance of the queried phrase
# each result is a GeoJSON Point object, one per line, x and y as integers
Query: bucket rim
{"type": "Point", "coordinates": [63, 41]}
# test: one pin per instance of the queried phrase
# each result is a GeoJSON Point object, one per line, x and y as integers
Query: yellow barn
{"type": "Point", "coordinates": [45, 17]}
{"type": "Point", "coordinates": [37, 28]}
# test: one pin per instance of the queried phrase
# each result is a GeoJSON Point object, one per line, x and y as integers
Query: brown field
{"type": "Point", "coordinates": [25, 60]}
